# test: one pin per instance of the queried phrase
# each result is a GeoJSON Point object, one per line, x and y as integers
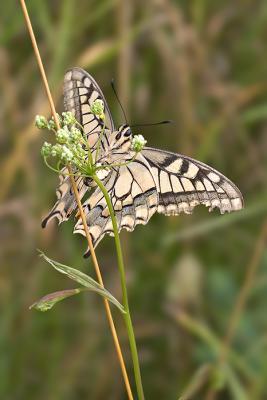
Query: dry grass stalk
{"type": "Point", "coordinates": [76, 193]}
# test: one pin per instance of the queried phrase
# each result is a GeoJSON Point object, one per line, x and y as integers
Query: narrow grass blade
{"type": "Point", "coordinates": [199, 379]}
{"type": "Point", "coordinates": [234, 384]}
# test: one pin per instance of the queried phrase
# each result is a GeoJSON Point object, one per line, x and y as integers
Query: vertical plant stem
{"type": "Point", "coordinates": [79, 204]}
{"type": "Point", "coordinates": [127, 316]}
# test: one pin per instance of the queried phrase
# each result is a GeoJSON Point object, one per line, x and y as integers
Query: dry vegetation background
{"type": "Point", "coordinates": [203, 64]}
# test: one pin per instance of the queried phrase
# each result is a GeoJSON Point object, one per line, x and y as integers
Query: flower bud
{"type": "Point", "coordinates": [46, 149]}
{"type": "Point", "coordinates": [138, 143]}
{"type": "Point", "coordinates": [66, 154]}
{"type": "Point", "coordinates": [41, 122]}
{"type": "Point", "coordinates": [75, 135]}
{"type": "Point", "coordinates": [97, 108]}
{"type": "Point", "coordinates": [52, 123]}
{"type": "Point", "coordinates": [68, 118]}
{"type": "Point", "coordinates": [56, 150]}
{"type": "Point", "coordinates": [63, 135]}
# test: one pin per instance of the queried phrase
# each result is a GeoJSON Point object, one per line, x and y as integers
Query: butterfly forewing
{"type": "Point", "coordinates": [183, 183]}
{"type": "Point", "coordinates": [80, 91]}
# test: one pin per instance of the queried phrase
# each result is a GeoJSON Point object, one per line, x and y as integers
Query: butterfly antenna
{"type": "Point", "coordinates": [117, 97]}
{"type": "Point", "coordinates": [155, 123]}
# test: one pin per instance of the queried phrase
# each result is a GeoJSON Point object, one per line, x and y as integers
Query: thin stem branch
{"type": "Point", "coordinates": [103, 166]}
{"type": "Point", "coordinates": [79, 204]}
{"type": "Point", "coordinates": [127, 315]}
{"type": "Point", "coordinates": [98, 144]}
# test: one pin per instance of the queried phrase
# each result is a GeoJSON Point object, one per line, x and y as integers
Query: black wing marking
{"type": "Point", "coordinates": [183, 183]}
{"type": "Point", "coordinates": [80, 90]}
{"type": "Point", "coordinates": [134, 196]}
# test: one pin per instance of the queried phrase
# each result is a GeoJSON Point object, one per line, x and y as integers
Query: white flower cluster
{"type": "Point", "coordinates": [46, 149]}
{"type": "Point", "coordinates": [51, 124]}
{"type": "Point", "coordinates": [68, 118]}
{"type": "Point", "coordinates": [66, 154]}
{"type": "Point", "coordinates": [70, 146]}
{"type": "Point", "coordinates": [75, 135]}
{"type": "Point", "coordinates": [63, 135]}
{"type": "Point", "coordinates": [41, 122]}
{"type": "Point", "coordinates": [138, 143]}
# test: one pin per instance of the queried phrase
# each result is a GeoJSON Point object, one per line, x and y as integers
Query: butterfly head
{"type": "Point", "coordinates": [124, 132]}
{"type": "Point", "coordinates": [122, 138]}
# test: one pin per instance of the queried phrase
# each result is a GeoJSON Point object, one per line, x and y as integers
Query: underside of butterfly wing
{"type": "Point", "coordinates": [184, 183]}
{"type": "Point", "coordinates": [66, 203]}
{"type": "Point", "coordinates": [156, 180]}
{"type": "Point", "coordinates": [80, 91]}
{"type": "Point", "coordinates": [134, 196]}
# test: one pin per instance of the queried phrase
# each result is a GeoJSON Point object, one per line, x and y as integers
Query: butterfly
{"type": "Point", "coordinates": [155, 181]}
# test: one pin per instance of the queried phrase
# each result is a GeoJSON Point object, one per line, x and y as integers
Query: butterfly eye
{"type": "Point", "coordinates": [128, 132]}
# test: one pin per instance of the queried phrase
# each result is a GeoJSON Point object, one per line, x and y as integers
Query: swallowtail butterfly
{"type": "Point", "coordinates": [156, 181]}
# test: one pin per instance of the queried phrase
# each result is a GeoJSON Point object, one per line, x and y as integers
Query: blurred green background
{"type": "Point", "coordinates": [203, 64]}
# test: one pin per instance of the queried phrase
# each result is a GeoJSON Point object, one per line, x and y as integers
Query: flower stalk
{"type": "Point", "coordinates": [125, 302]}
{"type": "Point", "coordinates": [67, 151]}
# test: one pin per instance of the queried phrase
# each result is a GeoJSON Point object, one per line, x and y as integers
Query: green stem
{"type": "Point", "coordinates": [127, 315]}
{"type": "Point", "coordinates": [59, 171]}
{"type": "Point", "coordinates": [98, 144]}
{"type": "Point", "coordinates": [86, 143]}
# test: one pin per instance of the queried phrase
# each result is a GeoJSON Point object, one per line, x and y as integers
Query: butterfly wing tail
{"type": "Point", "coordinates": [66, 202]}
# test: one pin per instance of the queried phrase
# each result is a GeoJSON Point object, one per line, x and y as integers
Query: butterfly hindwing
{"type": "Point", "coordinates": [66, 203]}
{"type": "Point", "coordinates": [134, 196]}
{"type": "Point", "coordinates": [184, 183]}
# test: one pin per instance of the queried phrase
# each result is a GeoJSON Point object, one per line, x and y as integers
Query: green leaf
{"type": "Point", "coordinates": [48, 301]}
{"type": "Point", "coordinates": [83, 280]}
